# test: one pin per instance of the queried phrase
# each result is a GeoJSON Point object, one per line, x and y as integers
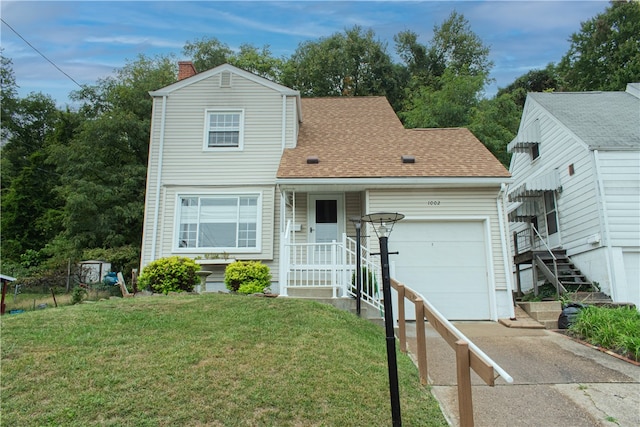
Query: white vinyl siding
{"type": "Point", "coordinates": [576, 204]}
{"type": "Point", "coordinates": [185, 162]}
{"type": "Point", "coordinates": [186, 168]}
{"type": "Point", "coordinates": [442, 205]}
{"type": "Point", "coordinates": [620, 174]}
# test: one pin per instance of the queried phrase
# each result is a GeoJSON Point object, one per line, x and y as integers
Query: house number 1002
{"type": "Point", "coordinates": [433, 202]}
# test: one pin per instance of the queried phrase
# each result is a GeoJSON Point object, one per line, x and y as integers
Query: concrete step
{"type": "Point", "coordinates": [543, 312]}
{"type": "Point", "coordinates": [311, 292]}
{"type": "Point", "coordinates": [549, 324]}
{"type": "Point", "coordinates": [545, 315]}
{"type": "Point", "coordinates": [530, 306]}
{"type": "Point", "coordinates": [349, 304]}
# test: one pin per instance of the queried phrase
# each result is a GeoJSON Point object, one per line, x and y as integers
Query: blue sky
{"type": "Point", "coordinates": [89, 39]}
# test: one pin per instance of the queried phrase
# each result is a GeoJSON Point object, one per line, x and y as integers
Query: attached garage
{"type": "Point", "coordinates": [446, 262]}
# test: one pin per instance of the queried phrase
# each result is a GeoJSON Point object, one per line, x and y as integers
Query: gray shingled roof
{"type": "Point", "coordinates": [603, 120]}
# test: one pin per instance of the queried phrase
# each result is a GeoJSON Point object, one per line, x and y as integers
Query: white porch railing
{"type": "Point", "coordinates": [329, 265]}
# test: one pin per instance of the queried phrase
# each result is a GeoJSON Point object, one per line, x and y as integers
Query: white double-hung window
{"type": "Point", "coordinates": [219, 222]}
{"type": "Point", "coordinates": [223, 129]}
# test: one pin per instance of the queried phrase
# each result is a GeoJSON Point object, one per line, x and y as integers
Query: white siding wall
{"type": "Point", "coordinates": [577, 203]}
{"type": "Point", "coordinates": [187, 167]}
{"type": "Point", "coordinates": [476, 204]}
{"type": "Point", "coordinates": [185, 160]}
{"type": "Point", "coordinates": [620, 174]}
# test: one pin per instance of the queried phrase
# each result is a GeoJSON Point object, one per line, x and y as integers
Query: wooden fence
{"type": "Point", "coordinates": [468, 356]}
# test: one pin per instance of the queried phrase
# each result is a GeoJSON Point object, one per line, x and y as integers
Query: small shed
{"type": "Point", "coordinates": [4, 281]}
{"type": "Point", "coordinates": [92, 271]}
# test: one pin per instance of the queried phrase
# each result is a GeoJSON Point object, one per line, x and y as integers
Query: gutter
{"type": "Point", "coordinates": [284, 121]}
{"type": "Point", "coordinates": [399, 181]}
{"type": "Point", "coordinates": [506, 246]}
{"type": "Point", "coordinates": [156, 213]}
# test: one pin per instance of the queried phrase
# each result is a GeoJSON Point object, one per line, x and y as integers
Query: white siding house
{"type": "Point", "coordinates": [576, 171]}
{"type": "Point", "coordinates": [243, 168]}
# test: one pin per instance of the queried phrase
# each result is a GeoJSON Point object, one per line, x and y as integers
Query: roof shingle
{"type": "Point", "coordinates": [361, 137]}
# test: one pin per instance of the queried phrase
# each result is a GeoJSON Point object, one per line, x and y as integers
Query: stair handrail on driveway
{"type": "Point", "coordinates": [556, 282]}
{"type": "Point", "coordinates": [468, 355]}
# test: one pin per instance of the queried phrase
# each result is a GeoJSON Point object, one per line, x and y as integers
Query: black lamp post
{"type": "Point", "coordinates": [358, 224]}
{"type": "Point", "coordinates": [382, 225]}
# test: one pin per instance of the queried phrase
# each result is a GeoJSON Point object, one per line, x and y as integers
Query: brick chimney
{"type": "Point", "coordinates": [186, 70]}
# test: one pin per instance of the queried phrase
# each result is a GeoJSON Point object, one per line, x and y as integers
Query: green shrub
{"type": "Point", "coordinates": [78, 295]}
{"type": "Point", "coordinates": [369, 282]}
{"type": "Point", "coordinates": [171, 274]}
{"type": "Point", "coordinates": [247, 277]}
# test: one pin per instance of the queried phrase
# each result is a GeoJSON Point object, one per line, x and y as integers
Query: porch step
{"type": "Point", "coordinates": [543, 312]}
{"type": "Point", "coordinates": [311, 292]}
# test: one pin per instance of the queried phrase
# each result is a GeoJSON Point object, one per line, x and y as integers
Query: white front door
{"type": "Point", "coordinates": [326, 217]}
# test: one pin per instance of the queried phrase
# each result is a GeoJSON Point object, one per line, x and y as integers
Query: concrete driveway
{"type": "Point", "coordinates": [557, 381]}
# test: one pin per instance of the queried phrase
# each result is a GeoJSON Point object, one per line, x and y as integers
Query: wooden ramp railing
{"type": "Point", "coordinates": [468, 356]}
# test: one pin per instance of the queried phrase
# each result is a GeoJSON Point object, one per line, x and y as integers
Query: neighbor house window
{"type": "Point", "coordinates": [223, 222]}
{"type": "Point", "coordinates": [535, 151]}
{"type": "Point", "coordinates": [551, 212]}
{"type": "Point", "coordinates": [223, 129]}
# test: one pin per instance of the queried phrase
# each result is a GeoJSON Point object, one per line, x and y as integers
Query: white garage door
{"type": "Point", "coordinates": [447, 263]}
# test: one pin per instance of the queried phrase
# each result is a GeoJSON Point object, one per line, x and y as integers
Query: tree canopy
{"type": "Point", "coordinates": [73, 181]}
{"type": "Point", "coordinates": [605, 53]}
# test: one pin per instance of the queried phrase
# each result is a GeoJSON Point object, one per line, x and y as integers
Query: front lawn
{"type": "Point", "coordinates": [214, 360]}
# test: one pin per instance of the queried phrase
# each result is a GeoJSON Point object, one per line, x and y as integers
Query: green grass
{"type": "Point", "coordinates": [207, 360]}
{"type": "Point", "coordinates": [617, 329]}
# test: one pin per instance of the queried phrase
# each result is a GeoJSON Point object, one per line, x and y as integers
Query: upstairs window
{"type": "Point", "coordinates": [219, 222]}
{"type": "Point", "coordinates": [223, 129]}
{"type": "Point", "coordinates": [535, 151]}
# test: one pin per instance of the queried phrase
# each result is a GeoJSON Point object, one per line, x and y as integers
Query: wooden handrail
{"type": "Point", "coordinates": [468, 356]}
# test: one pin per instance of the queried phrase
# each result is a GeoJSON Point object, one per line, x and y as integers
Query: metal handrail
{"type": "Point", "coordinates": [555, 260]}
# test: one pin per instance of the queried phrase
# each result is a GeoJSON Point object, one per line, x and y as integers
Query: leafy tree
{"type": "Point", "coordinates": [447, 76]}
{"type": "Point", "coordinates": [8, 97]}
{"type": "Point", "coordinates": [495, 122]}
{"type": "Point", "coordinates": [543, 80]}
{"type": "Point", "coordinates": [449, 106]}
{"type": "Point", "coordinates": [349, 64]}
{"type": "Point", "coordinates": [103, 167]}
{"type": "Point", "coordinates": [207, 53]}
{"type": "Point", "coordinates": [259, 62]}
{"type": "Point", "coordinates": [605, 54]}
{"type": "Point", "coordinates": [456, 47]}
{"type": "Point", "coordinates": [28, 201]}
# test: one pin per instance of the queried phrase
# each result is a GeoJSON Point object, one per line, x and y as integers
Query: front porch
{"type": "Point", "coordinates": [329, 270]}
{"type": "Point", "coordinates": [319, 248]}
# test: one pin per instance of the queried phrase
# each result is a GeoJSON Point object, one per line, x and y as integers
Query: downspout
{"type": "Point", "coordinates": [506, 247]}
{"type": "Point", "coordinates": [158, 178]}
{"type": "Point", "coordinates": [605, 219]}
{"type": "Point", "coordinates": [284, 121]}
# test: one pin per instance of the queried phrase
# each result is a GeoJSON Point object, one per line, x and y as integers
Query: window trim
{"type": "Point", "coordinates": [205, 139]}
{"type": "Point", "coordinates": [236, 194]}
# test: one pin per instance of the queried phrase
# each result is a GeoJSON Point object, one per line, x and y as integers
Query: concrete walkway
{"type": "Point", "coordinates": [557, 381]}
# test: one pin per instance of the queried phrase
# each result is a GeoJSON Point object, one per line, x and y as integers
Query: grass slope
{"type": "Point", "coordinates": [209, 360]}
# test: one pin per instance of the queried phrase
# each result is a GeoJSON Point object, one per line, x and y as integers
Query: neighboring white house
{"type": "Point", "coordinates": [576, 171]}
{"type": "Point", "coordinates": [243, 168]}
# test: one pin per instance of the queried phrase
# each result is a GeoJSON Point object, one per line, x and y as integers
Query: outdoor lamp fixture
{"type": "Point", "coordinates": [383, 224]}
{"type": "Point", "coordinates": [357, 222]}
